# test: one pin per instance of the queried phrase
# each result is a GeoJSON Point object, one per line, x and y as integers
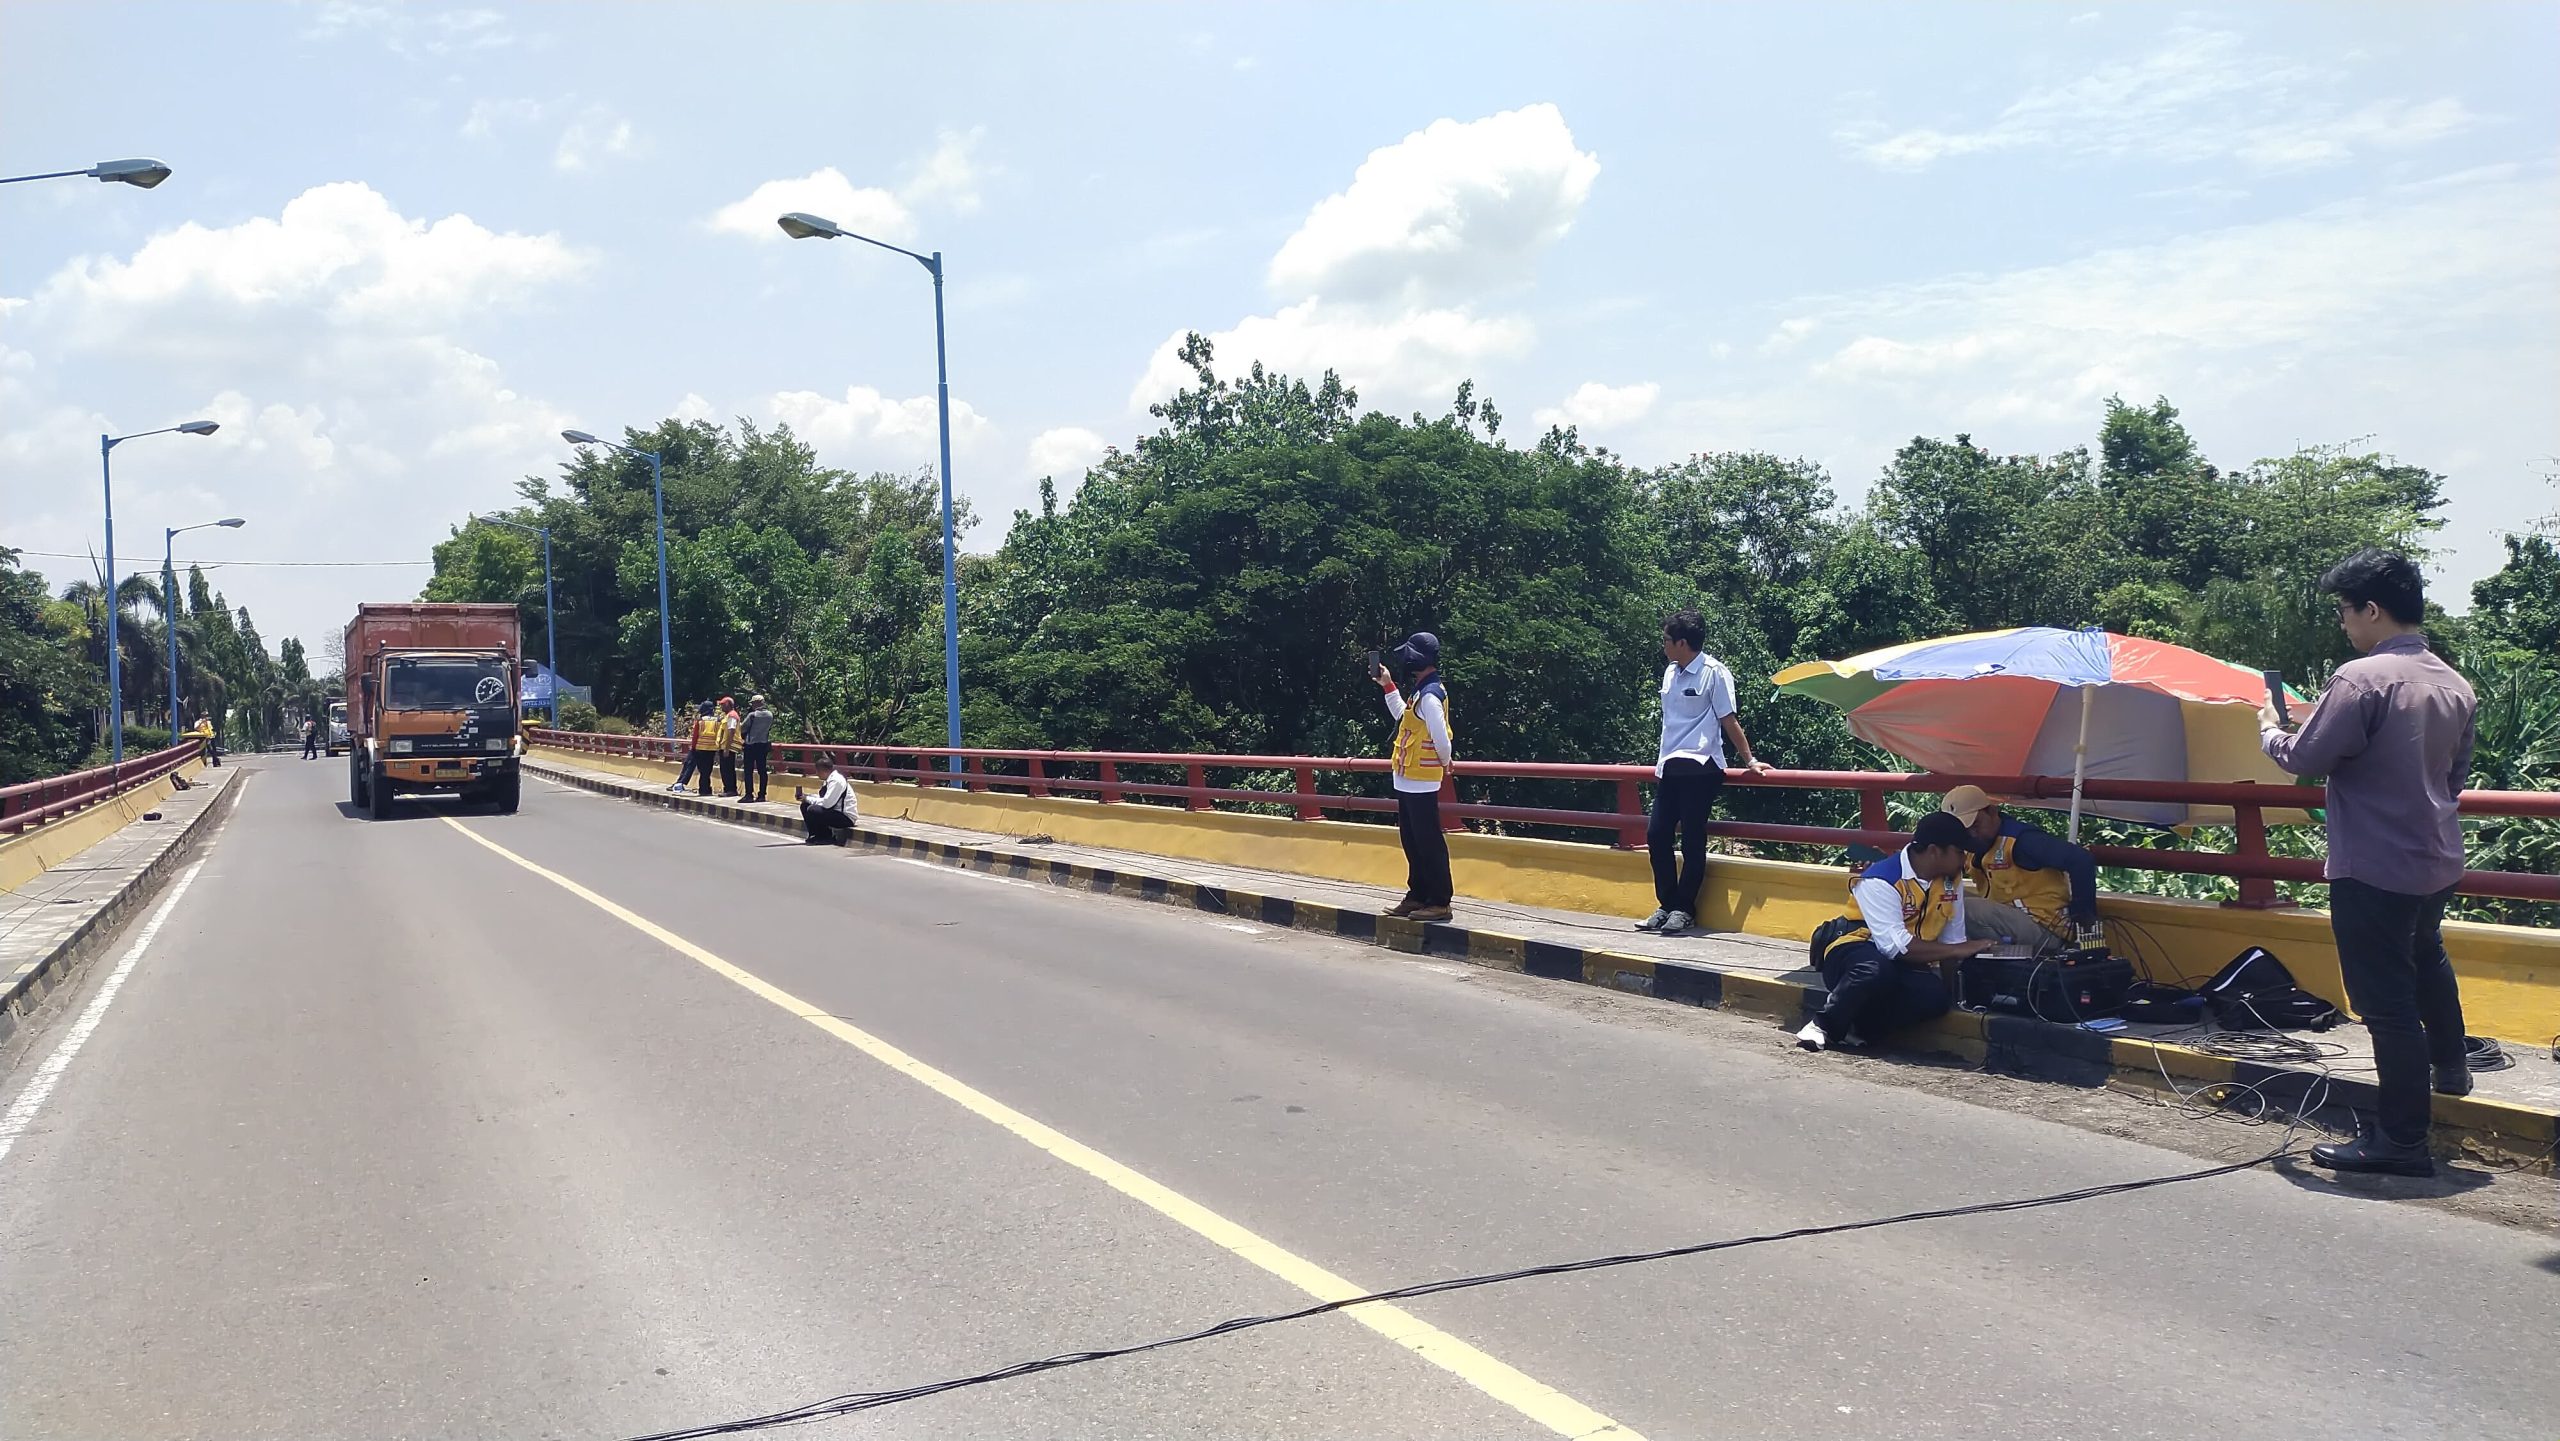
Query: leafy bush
{"type": "Point", "coordinates": [577, 715]}
{"type": "Point", "coordinates": [612, 725]}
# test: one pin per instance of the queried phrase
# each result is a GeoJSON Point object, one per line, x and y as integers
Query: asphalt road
{"type": "Point", "coordinates": [387, 1134]}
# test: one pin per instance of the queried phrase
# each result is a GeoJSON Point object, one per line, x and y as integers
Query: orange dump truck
{"type": "Point", "coordinates": [431, 703]}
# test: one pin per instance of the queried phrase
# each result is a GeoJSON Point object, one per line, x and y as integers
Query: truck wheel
{"type": "Point", "coordinates": [378, 799]}
{"type": "Point", "coordinates": [355, 781]}
{"type": "Point", "coordinates": [507, 793]}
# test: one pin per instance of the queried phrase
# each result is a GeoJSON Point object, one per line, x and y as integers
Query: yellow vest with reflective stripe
{"type": "Point", "coordinates": [706, 733]}
{"type": "Point", "coordinates": [1415, 757]}
{"type": "Point", "coordinates": [2001, 881]}
{"type": "Point", "coordinates": [1927, 906]}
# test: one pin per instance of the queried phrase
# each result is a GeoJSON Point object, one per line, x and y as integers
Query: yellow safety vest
{"type": "Point", "coordinates": [1927, 906]}
{"type": "Point", "coordinates": [2001, 881]}
{"type": "Point", "coordinates": [706, 733]}
{"type": "Point", "coordinates": [1415, 757]}
{"type": "Point", "coordinates": [201, 730]}
{"type": "Point", "coordinates": [729, 734]}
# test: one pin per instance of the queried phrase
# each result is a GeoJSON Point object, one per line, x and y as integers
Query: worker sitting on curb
{"type": "Point", "coordinates": [828, 815]}
{"type": "Point", "coordinates": [1880, 958]}
{"type": "Point", "coordinates": [2031, 887]}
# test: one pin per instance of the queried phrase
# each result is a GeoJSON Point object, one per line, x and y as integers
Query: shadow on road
{"type": "Point", "coordinates": [412, 810]}
{"type": "Point", "coordinates": [2447, 1181]}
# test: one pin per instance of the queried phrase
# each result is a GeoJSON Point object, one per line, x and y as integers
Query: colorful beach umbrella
{"type": "Point", "coordinates": [2040, 701]}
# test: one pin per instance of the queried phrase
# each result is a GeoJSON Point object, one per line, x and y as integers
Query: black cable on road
{"type": "Point", "coordinates": [851, 1402]}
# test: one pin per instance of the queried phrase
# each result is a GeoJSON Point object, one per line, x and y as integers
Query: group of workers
{"type": "Point", "coordinates": [2393, 734]}
{"type": "Point", "coordinates": [731, 741]}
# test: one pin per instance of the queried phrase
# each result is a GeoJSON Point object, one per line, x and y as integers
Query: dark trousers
{"type": "Point", "coordinates": [1426, 848]}
{"type": "Point", "coordinates": [1872, 994]}
{"type": "Point", "coordinates": [2391, 951]}
{"type": "Point", "coordinates": [825, 823]}
{"type": "Point", "coordinates": [1682, 800]}
{"type": "Point", "coordinates": [310, 746]}
{"type": "Point", "coordinates": [699, 763]}
{"type": "Point", "coordinates": [729, 773]}
{"type": "Point", "coordinates": [759, 768]}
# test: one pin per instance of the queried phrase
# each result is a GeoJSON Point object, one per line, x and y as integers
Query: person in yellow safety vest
{"type": "Point", "coordinates": [730, 746]}
{"type": "Point", "coordinates": [1420, 755]}
{"type": "Point", "coordinates": [2031, 887]}
{"type": "Point", "coordinates": [202, 730]}
{"type": "Point", "coordinates": [706, 748]}
{"type": "Point", "coordinates": [1879, 958]}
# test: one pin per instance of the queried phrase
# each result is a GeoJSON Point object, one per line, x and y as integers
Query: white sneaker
{"type": "Point", "coordinates": [1812, 1037]}
{"type": "Point", "coordinates": [1678, 922]}
{"type": "Point", "coordinates": [1654, 922]}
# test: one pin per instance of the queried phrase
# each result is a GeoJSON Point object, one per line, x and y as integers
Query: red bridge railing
{"type": "Point", "coordinates": [1098, 774]}
{"type": "Point", "coordinates": [33, 803]}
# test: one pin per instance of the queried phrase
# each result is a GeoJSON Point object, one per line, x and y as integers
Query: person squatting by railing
{"type": "Point", "coordinates": [2031, 887]}
{"type": "Point", "coordinates": [1879, 958]}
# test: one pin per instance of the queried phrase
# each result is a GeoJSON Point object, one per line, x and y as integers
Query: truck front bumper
{"type": "Point", "coordinates": [446, 772]}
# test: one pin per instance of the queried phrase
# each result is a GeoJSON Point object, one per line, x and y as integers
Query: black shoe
{"type": "Point", "coordinates": [2454, 1080]}
{"type": "Point", "coordinates": [2372, 1153]}
{"type": "Point", "coordinates": [813, 840]}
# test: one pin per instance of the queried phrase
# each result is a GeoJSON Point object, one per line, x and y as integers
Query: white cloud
{"type": "Point", "coordinates": [355, 423]}
{"type": "Point", "coordinates": [1595, 406]}
{"type": "Point", "coordinates": [411, 30]}
{"type": "Point", "coordinates": [489, 117]}
{"type": "Point", "coordinates": [1443, 213]}
{"type": "Point", "coordinates": [949, 176]}
{"type": "Point", "coordinates": [1067, 450]}
{"type": "Point", "coordinates": [338, 248]}
{"type": "Point", "coordinates": [1384, 281]}
{"type": "Point", "coordinates": [867, 428]}
{"type": "Point", "coordinates": [2200, 96]}
{"type": "Point", "coordinates": [823, 192]}
{"type": "Point", "coordinates": [596, 133]}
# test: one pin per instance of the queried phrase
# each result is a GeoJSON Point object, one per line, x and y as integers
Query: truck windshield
{"type": "Point", "coordinates": [461, 683]}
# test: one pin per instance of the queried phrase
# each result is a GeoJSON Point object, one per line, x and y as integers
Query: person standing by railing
{"type": "Point", "coordinates": [202, 730]}
{"type": "Point", "coordinates": [1420, 754]}
{"type": "Point", "coordinates": [1698, 722]}
{"type": "Point", "coordinates": [755, 735]}
{"type": "Point", "coordinates": [2393, 732]}
{"type": "Point", "coordinates": [731, 745]}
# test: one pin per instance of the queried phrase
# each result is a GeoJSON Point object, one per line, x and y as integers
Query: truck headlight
{"type": "Point", "coordinates": [403, 746]}
{"type": "Point", "coordinates": [498, 745]}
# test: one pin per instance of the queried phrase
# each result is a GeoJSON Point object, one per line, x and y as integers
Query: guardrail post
{"type": "Point", "coordinates": [1872, 814]}
{"type": "Point", "coordinates": [1039, 777]}
{"type": "Point", "coordinates": [1308, 810]}
{"type": "Point", "coordinates": [2257, 893]}
{"type": "Point", "coordinates": [1631, 817]}
{"type": "Point", "coordinates": [1110, 783]}
{"type": "Point", "coordinates": [969, 774]}
{"type": "Point", "coordinates": [1196, 777]}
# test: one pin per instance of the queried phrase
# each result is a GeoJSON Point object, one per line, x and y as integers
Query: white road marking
{"type": "Point", "coordinates": [22, 1112]}
{"type": "Point", "coordinates": [1240, 928]}
{"type": "Point", "coordinates": [962, 871]}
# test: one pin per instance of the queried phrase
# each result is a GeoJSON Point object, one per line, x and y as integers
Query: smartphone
{"type": "Point", "coordinates": [2275, 695]}
{"type": "Point", "coordinates": [1373, 662]}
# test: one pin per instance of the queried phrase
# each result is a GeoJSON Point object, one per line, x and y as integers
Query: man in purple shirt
{"type": "Point", "coordinates": [2393, 734]}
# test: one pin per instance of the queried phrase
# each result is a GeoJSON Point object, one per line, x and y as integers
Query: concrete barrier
{"type": "Point", "coordinates": [27, 855]}
{"type": "Point", "coordinates": [2510, 974]}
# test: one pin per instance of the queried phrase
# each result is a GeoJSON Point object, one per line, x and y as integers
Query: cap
{"type": "Point", "coordinates": [755, 700]}
{"type": "Point", "coordinates": [1967, 802]}
{"type": "Point", "coordinates": [728, 700]}
{"type": "Point", "coordinates": [1419, 649]}
{"type": "Point", "coordinates": [1937, 830]}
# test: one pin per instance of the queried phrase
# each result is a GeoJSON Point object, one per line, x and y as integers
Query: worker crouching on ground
{"type": "Point", "coordinates": [829, 814]}
{"type": "Point", "coordinates": [1421, 754]}
{"type": "Point", "coordinates": [1880, 958]}
{"type": "Point", "coordinates": [2031, 888]}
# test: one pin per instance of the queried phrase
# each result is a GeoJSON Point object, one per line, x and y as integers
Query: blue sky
{"type": "Point", "coordinates": [406, 244]}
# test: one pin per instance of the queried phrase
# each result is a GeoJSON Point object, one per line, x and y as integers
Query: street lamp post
{"type": "Point", "coordinates": [115, 657]}
{"type": "Point", "coordinates": [550, 637]}
{"type": "Point", "coordinates": [658, 488]}
{"type": "Point", "coordinates": [141, 174]}
{"type": "Point", "coordinates": [800, 225]}
{"type": "Point", "coordinates": [169, 601]}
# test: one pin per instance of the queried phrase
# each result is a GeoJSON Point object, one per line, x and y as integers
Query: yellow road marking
{"type": "Point", "coordinates": [1525, 1394]}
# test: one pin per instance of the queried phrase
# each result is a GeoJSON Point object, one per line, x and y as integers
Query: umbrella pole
{"type": "Point", "coordinates": [2079, 762]}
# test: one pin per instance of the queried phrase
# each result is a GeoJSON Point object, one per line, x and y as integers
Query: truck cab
{"type": "Point", "coordinates": [334, 741]}
{"type": "Point", "coordinates": [431, 700]}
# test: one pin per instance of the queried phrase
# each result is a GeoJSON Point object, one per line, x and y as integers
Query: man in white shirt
{"type": "Point", "coordinates": [1697, 723]}
{"type": "Point", "coordinates": [829, 814]}
{"type": "Point", "coordinates": [1880, 957]}
{"type": "Point", "coordinates": [1420, 757]}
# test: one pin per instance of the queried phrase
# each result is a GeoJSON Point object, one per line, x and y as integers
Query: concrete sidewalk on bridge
{"type": "Point", "coordinates": [2512, 1117]}
{"type": "Point", "coordinates": [50, 924]}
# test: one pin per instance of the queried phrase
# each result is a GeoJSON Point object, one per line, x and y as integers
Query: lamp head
{"type": "Point", "coordinates": [199, 427]}
{"type": "Point", "coordinates": [141, 173]}
{"type": "Point", "coordinates": [578, 437]}
{"type": "Point", "coordinates": [800, 225]}
{"type": "Point", "coordinates": [234, 523]}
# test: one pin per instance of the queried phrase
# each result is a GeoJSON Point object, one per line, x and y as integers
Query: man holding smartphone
{"type": "Point", "coordinates": [1420, 755]}
{"type": "Point", "coordinates": [2393, 732]}
{"type": "Point", "coordinates": [1698, 722]}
